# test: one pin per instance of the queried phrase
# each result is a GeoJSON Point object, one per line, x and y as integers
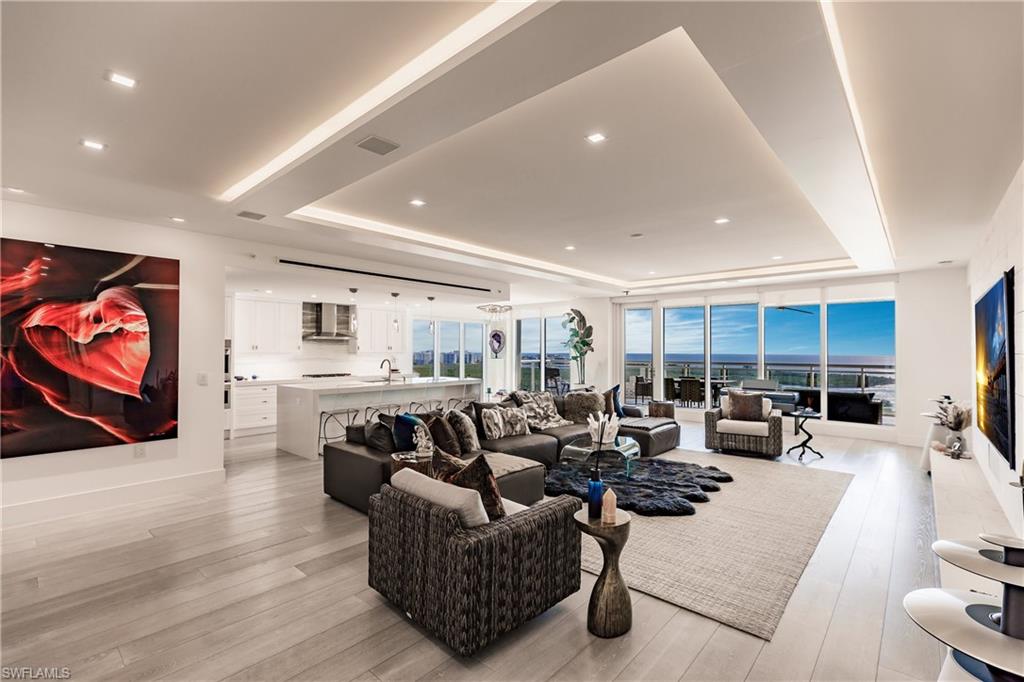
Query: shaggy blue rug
{"type": "Point", "coordinates": [655, 488]}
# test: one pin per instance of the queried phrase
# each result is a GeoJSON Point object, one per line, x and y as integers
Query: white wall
{"type": "Point", "coordinates": [999, 249]}
{"type": "Point", "coordinates": [63, 483]}
{"type": "Point", "coordinates": [933, 345]}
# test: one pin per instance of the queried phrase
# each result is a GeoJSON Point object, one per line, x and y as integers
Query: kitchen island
{"type": "Point", "coordinates": [299, 405]}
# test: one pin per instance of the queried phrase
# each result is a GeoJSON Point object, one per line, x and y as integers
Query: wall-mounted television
{"type": "Point", "coordinates": [993, 361]}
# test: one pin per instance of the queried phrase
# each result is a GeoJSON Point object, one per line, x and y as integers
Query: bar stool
{"type": "Point", "coordinates": [384, 408]}
{"type": "Point", "coordinates": [342, 417]}
{"type": "Point", "coordinates": [428, 405]}
{"type": "Point", "coordinates": [458, 403]}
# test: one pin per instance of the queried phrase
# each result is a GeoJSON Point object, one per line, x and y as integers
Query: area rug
{"type": "Point", "coordinates": [739, 559]}
{"type": "Point", "coordinates": [655, 487]}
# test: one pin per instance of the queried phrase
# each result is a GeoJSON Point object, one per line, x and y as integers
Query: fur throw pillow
{"type": "Point", "coordinates": [580, 405]}
{"type": "Point", "coordinates": [502, 423]}
{"type": "Point", "coordinates": [540, 409]}
{"type": "Point", "coordinates": [465, 430]}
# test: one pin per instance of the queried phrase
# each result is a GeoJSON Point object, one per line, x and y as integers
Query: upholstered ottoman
{"type": "Point", "coordinates": [520, 480]}
{"type": "Point", "coordinates": [656, 433]}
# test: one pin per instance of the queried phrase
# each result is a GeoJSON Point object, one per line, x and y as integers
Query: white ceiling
{"type": "Point", "coordinates": [527, 181]}
{"type": "Point", "coordinates": [746, 121]}
{"type": "Point", "coordinates": [939, 86]}
{"type": "Point", "coordinates": [223, 87]}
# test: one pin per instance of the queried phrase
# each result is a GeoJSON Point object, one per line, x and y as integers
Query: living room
{"type": "Point", "coordinates": [732, 288]}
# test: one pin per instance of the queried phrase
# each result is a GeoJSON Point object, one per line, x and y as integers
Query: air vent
{"type": "Point", "coordinates": [251, 215]}
{"type": "Point", "coordinates": [378, 145]}
{"type": "Point", "coordinates": [398, 278]}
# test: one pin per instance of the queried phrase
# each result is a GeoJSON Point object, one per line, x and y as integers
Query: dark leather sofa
{"type": "Point", "coordinates": [355, 469]}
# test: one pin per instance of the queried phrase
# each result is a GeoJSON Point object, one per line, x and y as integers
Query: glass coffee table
{"type": "Point", "coordinates": [583, 449]}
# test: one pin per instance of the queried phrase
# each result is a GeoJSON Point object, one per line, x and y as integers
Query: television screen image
{"type": "Point", "coordinates": [88, 348]}
{"type": "Point", "coordinates": [993, 340]}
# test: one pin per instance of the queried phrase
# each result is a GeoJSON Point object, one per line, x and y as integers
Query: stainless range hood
{"type": "Point", "coordinates": [329, 322]}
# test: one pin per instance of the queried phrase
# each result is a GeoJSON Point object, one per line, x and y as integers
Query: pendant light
{"type": "Point", "coordinates": [430, 312]}
{"type": "Point", "coordinates": [355, 321]}
{"type": "Point", "coordinates": [394, 319]}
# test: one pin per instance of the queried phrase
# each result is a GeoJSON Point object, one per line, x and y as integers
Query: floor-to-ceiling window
{"type": "Point", "coordinates": [473, 350]}
{"type": "Point", "coordinates": [862, 361]}
{"type": "Point", "coordinates": [639, 355]}
{"type": "Point", "coordinates": [448, 348]}
{"type": "Point", "coordinates": [792, 346]}
{"type": "Point", "coordinates": [683, 339]}
{"type": "Point", "coordinates": [734, 346]}
{"type": "Point", "coordinates": [422, 348]}
{"type": "Point", "coordinates": [528, 360]}
{"type": "Point", "coordinates": [556, 356]}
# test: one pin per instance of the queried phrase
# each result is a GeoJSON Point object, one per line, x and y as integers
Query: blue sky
{"type": "Point", "coordinates": [854, 329]}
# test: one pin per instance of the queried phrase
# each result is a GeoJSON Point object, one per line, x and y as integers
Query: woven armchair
{"type": "Point", "coordinates": [734, 442]}
{"type": "Point", "coordinates": [469, 586]}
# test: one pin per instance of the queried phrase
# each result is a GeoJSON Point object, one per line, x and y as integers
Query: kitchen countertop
{"type": "Point", "coordinates": [355, 385]}
{"type": "Point", "coordinates": [302, 380]}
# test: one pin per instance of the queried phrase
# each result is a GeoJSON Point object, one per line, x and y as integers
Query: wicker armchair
{"type": "Point", "coordinates": [770, 446]}
{"type": "Point", "coordinates": [469, 586]}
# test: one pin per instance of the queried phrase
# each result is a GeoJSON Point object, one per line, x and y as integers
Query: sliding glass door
{"type": "Point", "coordinates": [683, 339]}
{"type": "Point", "coordinates": [638, 382]}
{"type": "Point", "coordinates": [792, 350]}
{"type": "Point", "coordinates": [556, 356]}
{"type": "Point", "coordinates": [473, 350]}
{"type": "Point", "coordinates": [734, 346]}
{"type": "Point", "coordinates": [422, 348]}
{"type": "Point", "coordinates": [528, 360]}
{"type": "Point", "coordinates": [862, 362]}
{"type": "Point", "coordinates": [448, 348]}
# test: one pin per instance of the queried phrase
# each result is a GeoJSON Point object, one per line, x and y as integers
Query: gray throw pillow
{"type": "Point", "coordinates": [465, 430]}
{"type": "Point", "coordinates": [745, 406]}
{"type": "Point", "coordinates": [580, 405]}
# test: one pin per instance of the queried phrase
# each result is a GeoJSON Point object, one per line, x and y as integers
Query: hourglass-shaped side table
{"type": "Point", "coordinates": [610, 613]}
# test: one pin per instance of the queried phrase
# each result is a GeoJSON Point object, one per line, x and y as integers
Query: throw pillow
{"type": "Point", "coordinates": [378, 437]}
{"type": "Point", "coordinates": [493, 422]}
{"type": "Point", "coordinates": [745, 406]}
{"type": "Point", "coordinates": [578, 406]}
{"type": "Point", "coordinates": [541, 412]}
{"type": "Point", "coordinates": [514, 422]}
{"type": "Point", "coordinates": [612, 405]}
{"type": "Point", "coordinates": [444, 466]}
{"type": "Point", "coordinates": [477, 475]}
{"type": "Point", "coordinates": [479, 407]}
{"type": "Point", "coordinates": [410, 429]}
{"type": "Point", "coordinates": [465, 429]}
{"type": "Point", "coordinates": [444, 435]}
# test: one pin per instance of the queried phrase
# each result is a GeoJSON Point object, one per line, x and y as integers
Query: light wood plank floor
{"type": "Point", "coordinates": [265, 578]}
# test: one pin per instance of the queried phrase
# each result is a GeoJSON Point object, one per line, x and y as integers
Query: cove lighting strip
{"type": "Point", "coordinates": [835, 40]}
{"type": "Point", "coordinates": [487, 20]}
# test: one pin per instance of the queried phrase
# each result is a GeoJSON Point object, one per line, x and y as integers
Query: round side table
{"type": "Point", "coordinates": [610, 613]}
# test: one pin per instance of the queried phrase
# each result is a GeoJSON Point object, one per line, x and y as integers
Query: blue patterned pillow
{"type": "Point", "coordinates": [405, 431]}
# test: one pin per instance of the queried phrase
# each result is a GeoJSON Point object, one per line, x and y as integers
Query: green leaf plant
{"type": "Point", "coordinates": [580, 341]}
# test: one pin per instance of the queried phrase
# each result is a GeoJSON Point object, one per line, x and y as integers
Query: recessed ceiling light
{"type": "Point", "coordinates": [650, 272]}
{"type": "Point", "coordinates": [776, 257]}
{"type": "Point", "coordinates": [352, 299]}
{"type": "Point", "coordinates": [570, 248]}
{"type": "Point", "coordinates": [721, 221]}
{"type": "Point", "coordinates": [418, 202]}
{"type": "Point", "coordinates": [120, 79]}
{"type": "Point", "coordinates": [595, 138]}
{"type": "Point", "coordinates": [16, 190]}
{"type": "Point", "coordinates": [94, 145]}
{"type": "Point", "coordinates": [312, 295]}
{"type": "Point", "coordinates": [637, 235]}
{"type": "Point", "coordinates": [176, 219]}
{"type": "Point", "coordinates": [267, 291]}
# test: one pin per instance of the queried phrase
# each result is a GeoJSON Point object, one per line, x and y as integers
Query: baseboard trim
{"type": "Point", "coordinates": [62, 506]}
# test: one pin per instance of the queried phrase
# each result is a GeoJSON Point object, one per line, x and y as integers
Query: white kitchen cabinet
{"type": "Point", "coordinates": [378, 332]}
{"type": "Point", "coordinates": [289, 327]}
{"type": "Point", "coordinates": [267, 326]}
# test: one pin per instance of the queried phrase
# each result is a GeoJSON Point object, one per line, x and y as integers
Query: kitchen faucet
{"type": "Point", "coordinates": [388, 361]}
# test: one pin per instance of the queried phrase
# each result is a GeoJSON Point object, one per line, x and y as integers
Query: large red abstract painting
{"type": "Point", "coordinates": [89, 348]}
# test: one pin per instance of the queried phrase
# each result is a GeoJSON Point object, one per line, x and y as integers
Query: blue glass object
{"type": "Point", "coordinates": [595, 493]}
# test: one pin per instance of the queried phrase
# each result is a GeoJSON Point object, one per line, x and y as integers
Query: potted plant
{"type": "Point", "coordinates": [580, 342]}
